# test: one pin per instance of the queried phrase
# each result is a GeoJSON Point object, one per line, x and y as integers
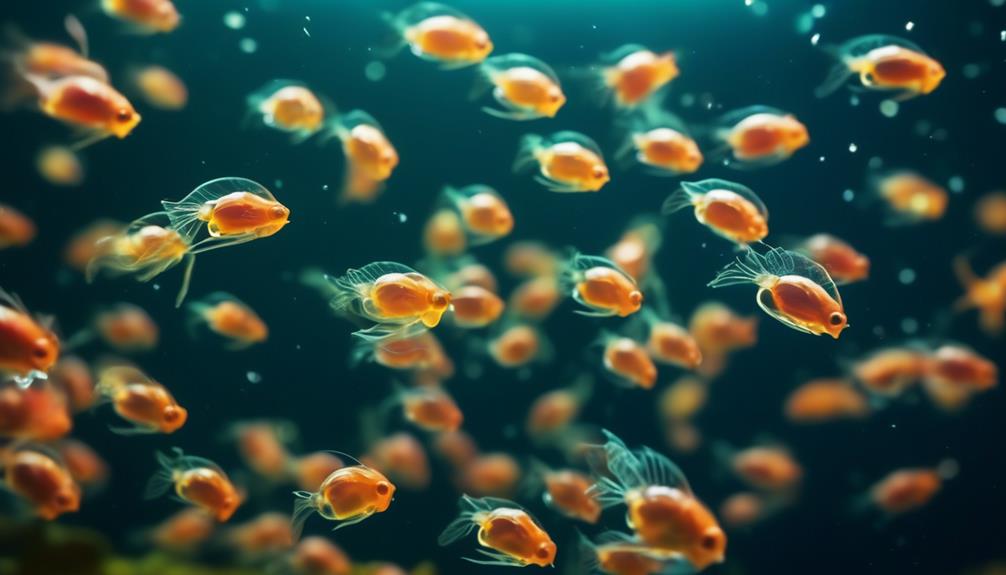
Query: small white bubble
{"type": "Point", "coordinates": [278, 184]}
{"type": "Point", "coordinates": [234, 20]}
{"type": "Point", "coordinates": [308, 18]}
{"type": "Point", "coordinates": [909, 25]}
{"type": "Point", "coordinates": [402, 218]}
{"type": "Point", "coordinates": [1000, 115]}
{"type": "Point", "coordinates": [1002, 36]}
{"type": "Point", "coordinates": [593, 26]}
{"type": "Point", "coordinates": [848, 195]}
{"type": "Point", "coordinates": [853, 100]}
{"type": "Point", "coordinates": [325, 187]}
{"type": "Point", "coordinates": [956, 184]}
{"type": "Point", "coordinates": [894, 426]}
{"type": "Point", "coordinates": [889, 108]}
{"type": "Point", "coordinates": [909, 325]}
{"type": "Point", "coordinates": [972, 71]}
{"type": "Point", "coordinates": [906, 276]}
{"type": "Point", "coordinates": [374, 71]}
{"type": "Point", "coordinates": [818, 11]}
{"type": "Point", "coordinates": [306, 33]}
{"type": "Point", "coordinates": [853, 147]}
{"type": "Point", "coordinates": [248, 45]}
{"type": "Point", "coordinates": [253, 377]}
{"type": "Point", "coordinates": [157, 287]}
{"type": "Point", "coordinates": [814, 39]}
{"type": "Point", "coordinates": [748, 2]}
{"type": "Point", "coordinates": [821, 159]}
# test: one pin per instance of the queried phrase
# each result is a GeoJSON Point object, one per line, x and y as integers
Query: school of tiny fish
{"type": "Point", "coordinates": [634, 508]}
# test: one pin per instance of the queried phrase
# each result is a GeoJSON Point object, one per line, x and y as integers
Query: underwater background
{"type": "Point", "coordinates": [731, 55]}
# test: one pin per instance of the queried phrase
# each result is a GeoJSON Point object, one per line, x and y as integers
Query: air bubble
{"type": "Point", "coordinates": [906, 276]}
{"type": "Point", "coordinates": [234, 20]}
{"type": "Point", "coordinates": [248, 45]}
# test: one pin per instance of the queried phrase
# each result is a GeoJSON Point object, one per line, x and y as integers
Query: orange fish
{"type": "Point", "coordinates": [842, 262]}
{"type": "Point", "coordinates": [348, 496]}
{"type": "Point", "coordinates": [16, 229]}
{"type": "Point", "coordinates": [475, 306]}
{"type": "Point", "coordinates": [41, 480]}
{"type": "Point", "coordinates": [884, 63]}
{"type": "Point", "coordinates": [889, 371]}
{"type": "Point", "coordinates": [39, 413]}
{"type": "Point", "coordinates": [50, 60]}
{"type": "Point", "coordinates": [987, 295]}
{"type": "Point", "coordinates": [444, 234]}
{"type": "Point", "coordinates": [518, 345]}
{"type": "Point", "coordinates": [601, 286]}
{"type": "Point", "coordinates": [28, 346]}
{"type": "Point", "coordinates": [628, 361]}
{"type": "Point", "coordinates": [906, 490]}
{"type": "Point", "coordinates": [431, 409]}
{"type": "Point", "coordinates": [401, 457]}
{"type": "Point", "coordinates": [87, 104]}
{"type": "Point", "coordinates": [566, 491]}
{"type": "Point", "coordinates": [146, 16]}
{"type": "Point", "coordinates": [662, 510]}
{"type": "Point", "coordinates": [145, 403]}
{"type": "Point", "coordinates": [634, 73]}
{"type": "Point", "coordinates": [146, 248]}
{"type": "Point", "coordinates": [566, 162]}
{"type": "Point", "coordinates": [60, 166]}
{"type": "Point", "coordinates": [365, 144]}
{"type": "Point", "coordinates": [552, 412]}
{"type": "Point", "coordinates": [160, 87]}
{"type": "Point", "coordinates": [958, 366]}
{"type": "Point", "coordinates": [266, 535]}
{"type": "Point", "coordinates": [457, 447]}
{"type": "Point", "coordinates": [910, 198]}
{"type": "Point", "coordinates": [990, 213]}
{"type": "Point", "coordinates": [73, 377]}
{"type": "Point", "coordinates": [196, 481]}
{"type": "Point", "coordinates": [761, 136]}
{"type": "Point", "coordinates": [86, 467]}
{"type": "Point", "coordinates": [491, 474]}
{"type": "Point", "coordinates": [82, 247]}
{"type": "Point", "coordinates": [395, 297]}
{"type": "Point", "coordinates": [791, 288]}
{"type": "Point", "coordinates": [229, 318]}
{"type": "Point", "coordinates": [441, 34]}
{"type": "Point", "coordinates": [682, 400]}
{"type": "Point", "coordinates": [634, 251]}
{"type": "Point", "coordinates": [485, 215]}
{"type": "Point", "coordinates": [670, 343]}
{"type": "Point", "coordinates": [318, 556]}
{"type": "Point", "coordinates": [523, 85]}
{"type": "Point", "coordinates": [730, 210]}
{"type": "Point", "coordinates": [288, 106]}
{"type": "Point", "coordinates": [530, 259]}
{"type": "Point", "coordinates": [514, 538]}
{"type": "Point", "coordinates": [768, 468]}
{"type": "Point", "coordinates": [234, 211]}
{"type": "Point", "coordinates": [127, 328]}
{"type": "Point", "coordinates": [535, 298]}
{"type": "Point", "coordinates": [660, 141]}
{"type": "Point", "coordinates": [617, 553]}
{"type": "Point", "coordinates": [183, 531]}
{"type": "Point", "coordinates": [822, 400]}
{"type": "Point", "coordinates": [262, 445]}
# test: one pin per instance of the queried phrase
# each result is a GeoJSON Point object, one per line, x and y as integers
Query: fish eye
{"type": "Point", "coordinates": [383, 488]}
{"type": "Point", "coordinates": [836, 318]}
{"type": "Point", "coordinates": [541, 553]}
{"type": "Point", "coordinates": [171, 414]}
{"type": "Point", "coordinates": [709, 542]}
{"type": "Point", "coordinates": [279, 211]}
{"type": "Point", "coordinates": [62, 500]}
{"type": "Point", "coordinates": [41, 349]}
{"type": "Point", "coordinates": [600, 172]}
{"type": "Point", "coordinates": [123, 115]}
{"type": "Point", "coordinates": [636, 297]}
{"type": "Point", "coordinates": [439, 300]}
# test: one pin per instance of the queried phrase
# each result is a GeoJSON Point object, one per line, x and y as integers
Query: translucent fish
{"type": "Point", "coordinates": [510, 536]}
{"type": "Point", "coordinates": [524, 86]}
{"type": "Point", "coordinates": [566, 162]}
{"type": "Point", "coordinates": [348, 496]}
{"type": "Point", "coordinates": [196, 481]}
{"type": "Point", "coordinates": [441, 34]}
{"type": "Point", "coordinates": [731, 210]}
{"type": "Point", "coordinates": [759, 136]}
{"type": "Point", "coordinates": [632, 73]}
{"type": "Point", "coordinates": [791, 288]}
{"type": "Point", "coordinates": [485, 215]}
{"type": "Point", "coordinates": [884, 63]}
{"type": "Point", "coordinates": [289, 106]}
{"type": "Point", "coordinates": [600, 286]}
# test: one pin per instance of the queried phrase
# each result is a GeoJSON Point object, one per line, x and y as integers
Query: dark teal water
{"type": "Point", "coordinates": [727, 52]}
